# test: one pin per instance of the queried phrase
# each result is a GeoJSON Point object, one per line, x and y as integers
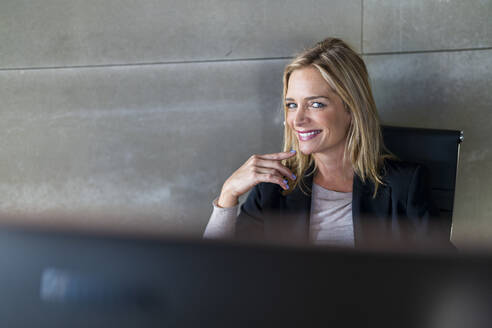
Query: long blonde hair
{"type": "Point", "coordinates": [346, 73]}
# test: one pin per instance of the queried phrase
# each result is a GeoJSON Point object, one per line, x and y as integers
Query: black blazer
{"type": "Point", "coordinates": [402, 210]}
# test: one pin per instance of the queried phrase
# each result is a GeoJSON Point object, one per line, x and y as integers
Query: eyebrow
{"type": "Point", "coordinates": [308, 98]}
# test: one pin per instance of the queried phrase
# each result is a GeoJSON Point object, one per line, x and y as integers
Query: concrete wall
{"type": "Point", "coordinates": [131, 114]}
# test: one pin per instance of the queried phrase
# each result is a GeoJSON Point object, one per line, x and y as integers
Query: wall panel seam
{"type": "Point", "coordinates": [225, 60]}
{"type": "Point", "coordinates": [423, 51]}
{"type": "Point", "coordinates": [144, 64]}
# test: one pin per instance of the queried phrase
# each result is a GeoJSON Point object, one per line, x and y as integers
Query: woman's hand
{"type": "Point", "coordinates": [258, 168]}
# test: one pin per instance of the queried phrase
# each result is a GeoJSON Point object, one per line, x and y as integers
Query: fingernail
{"type": "Point", "coordinates": [286, 182]}
{"type": "Point", "coordinates": [294, 176]}
{"type": "Point", "coordinates": [286, 186]}
{"type": "Point", "coordinates": [293, 151]}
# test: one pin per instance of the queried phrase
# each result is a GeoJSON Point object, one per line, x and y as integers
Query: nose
{"type": "Point", "coordinates": [301, 117]}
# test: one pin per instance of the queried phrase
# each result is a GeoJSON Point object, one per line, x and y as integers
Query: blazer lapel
{"type": "Point", "coordinates": [371, 216]}
{"type": "Point", "coordinates": [292, 223]}
{"type": "Point", "coordinates": [357, 191]}
{"type": "Point", "coordinates": [300, 205]}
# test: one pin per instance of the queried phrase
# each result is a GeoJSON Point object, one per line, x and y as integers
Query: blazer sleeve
{"type": "Point", "coordinates": [422, 210]}
{"type": "Point", "coordinates": [249, 224]}
{"type": "Point", "coordinates": [419, 201]}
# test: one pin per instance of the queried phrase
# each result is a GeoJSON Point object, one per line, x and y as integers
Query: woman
{"type": "Point", "coordinates": [334, 183]}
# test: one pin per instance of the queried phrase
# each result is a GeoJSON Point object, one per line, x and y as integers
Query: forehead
{"type": "Point", "coordinates": [307, 81]}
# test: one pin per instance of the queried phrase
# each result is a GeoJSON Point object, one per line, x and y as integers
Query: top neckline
{"type": "Point", "coordinates": [322, 189]}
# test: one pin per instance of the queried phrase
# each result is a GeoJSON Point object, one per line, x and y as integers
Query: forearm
{"type": "Point", "coordinates": [221, 223]}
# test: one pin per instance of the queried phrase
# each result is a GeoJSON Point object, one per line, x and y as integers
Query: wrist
{"type": "Point", "coordinates": [227, 199]}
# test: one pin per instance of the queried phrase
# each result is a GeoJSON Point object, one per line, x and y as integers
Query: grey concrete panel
{"type": "Point", "coordinates": [411, 25]}
{"type": "Point", "coordinates": [145, 147]}
{"type": "Point", "coordinates": [449, 90]}
{"type": "Point", "coordinates": [55, 33]}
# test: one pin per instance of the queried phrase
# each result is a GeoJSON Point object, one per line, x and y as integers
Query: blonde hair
{"type": "Point", "coordinates": [346, 73]}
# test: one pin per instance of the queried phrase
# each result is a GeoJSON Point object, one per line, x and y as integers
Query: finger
{"type": "Point", "coordinates": [277, 166]}
{"type": "Point", "coordinates": [272, 178]}
{"type": "Point", "coordinates": [278, 156]}
{"type": "Point", "coordinates": [266, 170]}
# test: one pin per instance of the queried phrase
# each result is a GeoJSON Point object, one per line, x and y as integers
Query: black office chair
{"type": "Point", "coordinates": [438, 150]}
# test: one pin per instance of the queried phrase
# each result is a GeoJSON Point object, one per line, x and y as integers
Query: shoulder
{"type": "Point", "coordinates": [405, 177]}
{"type": "Point", "coordinates": [397, 172]}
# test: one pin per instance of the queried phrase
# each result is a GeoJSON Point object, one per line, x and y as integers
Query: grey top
{"type": "Point", "coordinates": [330, 219]}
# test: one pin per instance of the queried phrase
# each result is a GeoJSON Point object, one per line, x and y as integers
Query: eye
{"type": "Point", "coordinates": [317, 105]}
{"type": "Point", "coordinates": [291, 106]}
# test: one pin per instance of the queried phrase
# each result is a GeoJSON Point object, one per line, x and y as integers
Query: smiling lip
{"type": "Point", "coordinates": [308, 135]}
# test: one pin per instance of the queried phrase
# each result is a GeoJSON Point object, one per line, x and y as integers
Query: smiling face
{"type": "Point", "coordinates": [315, 113]}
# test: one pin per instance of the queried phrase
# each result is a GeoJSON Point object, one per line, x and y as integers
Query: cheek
{"type": "Point", "coordinates": [342, 118]}
{"type": "Point", "coordinates": [289, 120]}
{"type": "Point", "coordinates": [344, 124]}
{"type": "Point", "coordinates": [347, 119]}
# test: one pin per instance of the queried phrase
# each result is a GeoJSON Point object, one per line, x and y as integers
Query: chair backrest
{"type": "Point", "coordinates": [438, 150]}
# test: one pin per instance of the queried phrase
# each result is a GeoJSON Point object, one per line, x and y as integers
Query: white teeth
{"type": "Point", "coordinates": [304, 135]}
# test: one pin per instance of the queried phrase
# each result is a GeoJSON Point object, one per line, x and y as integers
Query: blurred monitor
{"type": "Point", "coordinates": [57, 279]}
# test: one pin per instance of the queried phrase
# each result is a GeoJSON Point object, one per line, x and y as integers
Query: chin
{"type": "Point", "coordinates": [306, 150]}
